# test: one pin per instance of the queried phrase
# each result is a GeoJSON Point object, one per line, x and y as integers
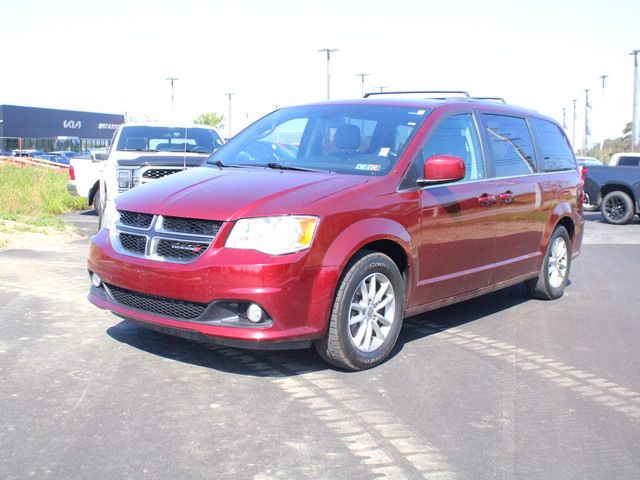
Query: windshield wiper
{"type": "Point", "coordinates": [221, 164]}
{"type": "Point", "coordinates": [280, 166]}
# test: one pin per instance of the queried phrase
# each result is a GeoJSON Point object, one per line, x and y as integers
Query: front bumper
{"type": "Point", "coordinates": [297, 299]}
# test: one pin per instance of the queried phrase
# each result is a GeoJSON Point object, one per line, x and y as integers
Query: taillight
{"type": "Point", "coordinates": [583, 177]}
{"type": "Point", "coordinates": [72, 174]}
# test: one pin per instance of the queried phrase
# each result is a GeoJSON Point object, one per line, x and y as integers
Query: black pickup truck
{"type": "Point", "coordinates": [615, 190]}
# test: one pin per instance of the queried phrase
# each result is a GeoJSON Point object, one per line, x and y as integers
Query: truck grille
{"type": "Point", "coordinates": [167, 239]}
{"type": "Point", "coordinates": [154, 173]}
{"type": "Point", "coordinates": [167, 307]}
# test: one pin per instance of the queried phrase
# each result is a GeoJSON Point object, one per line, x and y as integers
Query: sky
{"type": "Point", "coordinates": [114, 56]}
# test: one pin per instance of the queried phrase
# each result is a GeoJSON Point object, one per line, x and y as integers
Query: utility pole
{"type": "Point", "coordinates": [381, 89]}
{"type": "Point", "coordinates": [229, 95]}
{"type": "Point", "coordinates": [586, 121]}
{"type": "Point", "coordinates": [564, 118]}
{"type": "Point", "coordinates": [362, 75]}
{"type": "Point", "coordinates": [172, 80]}
{"type": "Point", "coordinates": [635, 129]}
{"type": "Point", "coordinates": [603, 115]}
{"type": "Point", "coordinates": [276, 106]}
{"type": "Point", "coordinates": [329, 51]}
{"type": "Point", "coordinates": [575, 116]}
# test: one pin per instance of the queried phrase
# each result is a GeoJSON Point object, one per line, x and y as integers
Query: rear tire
{"type": "Point", "coordinates": [367, 314]}
{"type": "Point", "coordinates": [554, 272]}
{"type": "Point", "coordinates": [617, 208]}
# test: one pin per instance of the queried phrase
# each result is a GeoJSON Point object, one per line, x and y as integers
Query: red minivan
{"type": "Point", "coordinates": [327, 224]}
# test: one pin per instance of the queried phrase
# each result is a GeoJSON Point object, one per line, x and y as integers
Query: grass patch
{"type": "Point", "coordinates": [35, 196]}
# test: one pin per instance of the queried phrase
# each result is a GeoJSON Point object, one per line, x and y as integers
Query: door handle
{"type": "Point", "coordinates": [486, 200]}
{"type": "Point", "coordinates": [507, 197]}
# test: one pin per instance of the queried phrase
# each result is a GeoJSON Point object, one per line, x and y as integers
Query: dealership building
{"type": "Point", "coordinates": [49, 129]}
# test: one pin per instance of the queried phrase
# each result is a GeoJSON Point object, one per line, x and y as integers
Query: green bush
{"type": "Point", "coordinates": [37, 194]}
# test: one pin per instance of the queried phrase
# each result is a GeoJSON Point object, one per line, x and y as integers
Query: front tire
{"type": "Point", "coordinates": [367, 314]}
{"type": "Point", "coordinates": [96, 202]}
{"type": "Point", "coordinates": [554, 272]}
{"type": "Point", "coordinates": [617, 208]}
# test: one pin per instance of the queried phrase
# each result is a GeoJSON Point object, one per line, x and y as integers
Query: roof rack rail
{"type": "Point", "coordinates": [491, 99]}
{"type": "Point", "coordinates": [405, 92]}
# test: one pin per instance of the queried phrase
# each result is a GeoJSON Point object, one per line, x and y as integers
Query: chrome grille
{"type": "Point", "coordinates": [154, 173]}
{"type": "Point", "coordinates": [167, 307]}
{"type": "Point", "coordinates": [135, 219]}
{"type": "Point", "coordinates": [166, 239]}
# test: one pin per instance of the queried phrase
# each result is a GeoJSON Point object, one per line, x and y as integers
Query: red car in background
{"type": "Point", "coordinates": [382, 208]}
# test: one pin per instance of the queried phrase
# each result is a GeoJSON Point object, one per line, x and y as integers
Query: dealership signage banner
{"type": "Point", "coordinates": [31, 122]}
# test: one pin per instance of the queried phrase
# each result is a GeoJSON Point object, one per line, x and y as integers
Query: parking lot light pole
{"type": "Point", "coordinates": [635, 129]}
{"type": "Point", "coordinates": [229, 95]}
{"type": "Point", "coordinates": [329, 51]}
{"type": "Point", "coordinates": [362, 75]}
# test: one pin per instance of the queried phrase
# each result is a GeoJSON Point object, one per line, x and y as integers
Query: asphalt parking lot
{"type": "Point", "coordinates": [498, 387]}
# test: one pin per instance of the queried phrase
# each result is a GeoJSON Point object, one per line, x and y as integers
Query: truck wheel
{"type": "Point", "coordinates": [96, 202]}
{"type": "Point", "coordinates": [367, 314]}
{"type": "Point", "coordinates": [554, 273]}
{"type": "Point", "coordinates": [617, 207]}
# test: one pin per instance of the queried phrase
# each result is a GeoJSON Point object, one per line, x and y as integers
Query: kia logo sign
{"type": "Point", "coordinates": [75, 124]}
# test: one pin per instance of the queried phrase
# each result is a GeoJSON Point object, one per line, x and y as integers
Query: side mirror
{"type": "Point", "coordinates": [99, 157]}
{"type": "Point", "coordinates": [442, 169]}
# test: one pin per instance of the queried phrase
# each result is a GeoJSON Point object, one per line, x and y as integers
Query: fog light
{"type": "Point", "coordinates": [254, 313]}
{"type": "Point", "coordinates": [96, 280]}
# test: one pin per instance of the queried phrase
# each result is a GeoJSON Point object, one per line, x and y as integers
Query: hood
{"type": "Point", "coordinates": [229, 194]}
{"type": "Point", "coordinates": [163, 160]}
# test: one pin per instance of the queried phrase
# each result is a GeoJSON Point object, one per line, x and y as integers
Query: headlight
{"type": "Point", "coordinates": [273, 235]}
{"type": "Point", "coordinates": [124, 180]}
{"type": "Point", "coordinates": [110, 216]}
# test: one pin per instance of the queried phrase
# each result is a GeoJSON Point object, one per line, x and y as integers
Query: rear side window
{"type": "Point", "coordinates": [510, 144]}
{"type": "Point", "coordinates": [629, 161]}
{"type": "Point", "coordinates": [554, 147]}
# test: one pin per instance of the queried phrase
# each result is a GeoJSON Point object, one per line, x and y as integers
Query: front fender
{"type": "Point", "coordinates": [357, 235]}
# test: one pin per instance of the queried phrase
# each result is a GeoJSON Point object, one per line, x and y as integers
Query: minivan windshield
{"type": "Point", "coordinates": [143, 138]}
{"type": "Point", "coordinates": [350, 139]}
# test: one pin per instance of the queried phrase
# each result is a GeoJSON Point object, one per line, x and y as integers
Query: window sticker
{"type": "Point", "coordinates": [370, 167]}
{"type": "Point", "coordinates": [384, 152]}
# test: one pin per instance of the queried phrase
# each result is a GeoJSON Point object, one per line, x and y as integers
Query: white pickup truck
{"type": "Point", "coordinates": [140, 153]}
{"type": "Point", "coordinates": [84, 176]}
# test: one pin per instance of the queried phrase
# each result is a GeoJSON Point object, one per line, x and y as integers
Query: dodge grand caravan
{"type": "Point", "coordinates": [327, 224]}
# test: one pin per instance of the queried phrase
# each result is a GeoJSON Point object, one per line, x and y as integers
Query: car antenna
{"type": "Point", "coordinates": [184, 150]}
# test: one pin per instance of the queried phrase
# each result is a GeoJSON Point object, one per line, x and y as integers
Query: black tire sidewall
{"type": "Point", "coordinates": [373, 263]}
{"type": "Point", "coordinates": [96, 202]}
{"type": "Point", "coordinates": [557, 292]}
{"type": "Point", "coordinates": [630, 208]}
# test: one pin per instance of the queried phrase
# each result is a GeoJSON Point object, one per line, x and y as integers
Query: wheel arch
{"type": "Point", "coordinates": [612, 187]}
{"type": "Point", "coordinates": [92, 192]}
{"type": "Point", "coordinates": [378, 235]}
